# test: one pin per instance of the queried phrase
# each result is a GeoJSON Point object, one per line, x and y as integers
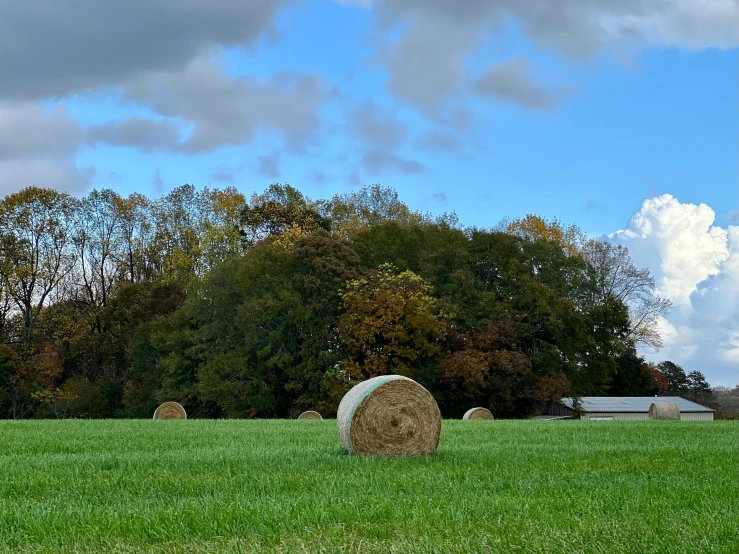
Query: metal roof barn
{"type": "Point", "coordinates": [627, 407]}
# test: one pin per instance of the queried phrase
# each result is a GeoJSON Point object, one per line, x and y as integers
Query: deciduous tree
{"type": "Point", "coordinates": [35, 248]}
{"type": "Point", "coordinates": [391, 323]}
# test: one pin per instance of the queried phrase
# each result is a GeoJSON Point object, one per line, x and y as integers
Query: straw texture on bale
{"type": "Point", "coordinates": [390, 415]}
{"type": "Point", "coordinates": [310, 414]}
{"type": "Point", "coordinates": [170, 410]}
{"type": "Point", "coordinates": [664, 410]}
{"type": "Point", "coordinates": [477, 413]}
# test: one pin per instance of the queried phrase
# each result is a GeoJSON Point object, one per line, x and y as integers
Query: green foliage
{"type": "Point", "coordinates": [698, 388]}
{"type": "Point", "coordinates": [391, 324]}
{"type": "Point", "coordinates": [633, 377]}
{"type": "Point", "coordinates": [278, 210]}
{"type": "Point", "coordinates": [258, 335]}
{"type": "Point", "coordinates": [112, 305]}
{"type": "Point", "coordinates": [678, 381]}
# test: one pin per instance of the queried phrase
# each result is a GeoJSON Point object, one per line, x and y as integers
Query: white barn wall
{"type": "Point", "coordinates": [684, 416]}
{"type": "Point", "coordinates": [616, 415]}
{"type": "Point", "coordinates": [626, 408]}
{"type": "Point", "coordinates": [696, 416]}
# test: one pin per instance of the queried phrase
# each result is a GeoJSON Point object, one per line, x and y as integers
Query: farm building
{"type": "Point", "coordinates": [624, 407]}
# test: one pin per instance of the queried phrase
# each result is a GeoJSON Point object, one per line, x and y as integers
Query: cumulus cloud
{"type": "Point", "coordinates": [684, 240]}
{"type": "Point", "coordinates": [511, 82]}
{"type": "Point", "coordinates": [696, 264]}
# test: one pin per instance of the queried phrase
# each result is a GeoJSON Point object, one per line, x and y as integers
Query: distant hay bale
{"type": "Point", "coordinates": [170, 410]}
{"type": "Point", "coordinates": [477, 413]}
{"type": "Point", "coordinates": [664, 410]}
{"type": "Point", "coordinates": [310, 414]}
{"type": "Point", "coordinates": [389, 415]}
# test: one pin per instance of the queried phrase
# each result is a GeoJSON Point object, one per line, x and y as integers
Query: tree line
{"type": "Point", "coordinates": [267, 306]}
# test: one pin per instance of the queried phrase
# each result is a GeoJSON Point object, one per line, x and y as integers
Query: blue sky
{"type": "Point", "coordinates": [572, 109]}
{"type": "Point", "coordinates": [663, 120]}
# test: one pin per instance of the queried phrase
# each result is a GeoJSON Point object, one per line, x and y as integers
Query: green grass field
{"type": "Point", "coordinates": [287, 486]}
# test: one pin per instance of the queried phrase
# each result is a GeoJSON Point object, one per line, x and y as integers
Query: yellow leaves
{"type": "Point", "coordinates": [465, 370]}
{"type": "Point", "coordinates": [390, 322]}
{"type": "Point", "coordinates": [288, 237]}
{"type": "Point", "coordinates": [534, 227]}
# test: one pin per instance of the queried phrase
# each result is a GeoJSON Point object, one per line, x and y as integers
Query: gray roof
{"type": "Point", "coordinates": [632, 403]}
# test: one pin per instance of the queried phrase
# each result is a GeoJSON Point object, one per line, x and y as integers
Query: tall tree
{"type": "Point", "coordinates": [35, 248]}
{"type": "Point", "coordinates": [391, 323]}
{"type": "Point", "coordinates": [678, 381]}
{"type": "Point", "coordinates": [698, 388]}
{"type": "Point", "coordinates": [259, 335]}
{"type": "Point", "coordinates": [369, 207]}
{"type": "Point", "coordinates": [136, 229]}
{"type": "Point", "coordinates": [617, 276]}
{"type": "Point", "coordinates": [633, 376]}
{"type": "Point", "coordinates": [279, 209]}
{"type": "Point", "coordinates": [661, 383]}
{"type": "Point", "coordinates": [177, 218]}
{"type": "Point", "coordinates": [98, 242]}
{"type": "Point", "coordinates": [533, 227]}
{"type": "Point", "coordinates": [220, 232]}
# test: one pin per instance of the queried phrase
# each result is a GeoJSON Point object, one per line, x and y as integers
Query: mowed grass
{"type": "Point", "coordinates": [287, 486]}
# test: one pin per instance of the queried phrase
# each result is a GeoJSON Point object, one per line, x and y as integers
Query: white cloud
{"type": "Point", "coordinates": [427, 65]}
{"type": "Point", "coordinates": [682, 237]}
{"type": "Point", "coordinates": [511, 81]}
{"type": "Point", "coordinates": [696, 264]}
{"type": "Point", "coordinates": [56, 173]}
{"type": "Point", "coordinates": [37, 147]}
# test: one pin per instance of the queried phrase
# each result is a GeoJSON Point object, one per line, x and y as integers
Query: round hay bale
{"type": "Point", "coordinates": [170, 410]}
{"type": "Point", "coordinates": [664, 410]}
{"type": "Point", "coordinates": [310, 414]}
{"type": "Point", "coordinates": [477, 413]}
{"type": "Point", "coordinates": [390, 415]}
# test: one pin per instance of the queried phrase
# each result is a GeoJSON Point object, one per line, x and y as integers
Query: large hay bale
{"type": "Point", "coordinates": [389, 415]}
{"type": "Point", "coordinates": [477, 413]}
{"type": "Point", "coordinates": [310, 414]}
{"type": "Point", "coordinates": [664, 410]}
{"type": "Point", "coordinates": [170, 410]}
